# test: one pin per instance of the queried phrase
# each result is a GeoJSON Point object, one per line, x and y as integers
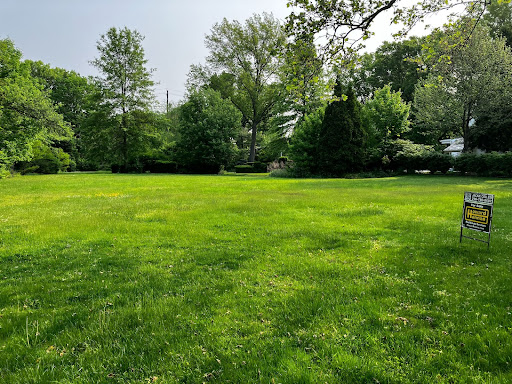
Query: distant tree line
{"type": "Point", "coordinates": [265, 95]}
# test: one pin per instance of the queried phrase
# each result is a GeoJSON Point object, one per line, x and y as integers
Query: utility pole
{"type": "Point", "coordinates": [167, 104]}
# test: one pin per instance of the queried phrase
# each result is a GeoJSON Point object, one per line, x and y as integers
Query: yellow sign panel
{"type": "Point", "coordinates": [477, 215]}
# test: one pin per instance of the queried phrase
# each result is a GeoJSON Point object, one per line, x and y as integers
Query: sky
{"type": "Point", "coordinates": [64, 33]}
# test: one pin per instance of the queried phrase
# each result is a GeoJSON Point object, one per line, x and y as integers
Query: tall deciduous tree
{"type": "Point", "coordinates": [499, 20]}
{"type": "Point", "coordinates": [26, 112]}
{"type": "Point", "coordinates": [303, 75]}
{"type": "Point", "coordinates": [248, 56]}
{"type": "Point", "coordinates": [127, 90]}
{"type": "Point", "coordinates": [70, 93]}
{"type": "Point", "coordinates": [344, 24]}
{"type": "Point", "coordinates": [467, 81]}
{"type": "Point", "coordinates": [393, 63]}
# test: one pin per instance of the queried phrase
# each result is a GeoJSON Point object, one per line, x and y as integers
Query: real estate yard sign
{"type": "Point", "coordinates": [477, 214]}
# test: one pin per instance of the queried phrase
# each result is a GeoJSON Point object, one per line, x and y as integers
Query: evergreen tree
{"type": "Point", "coordinates": [342, 137]}
{"type": "Point", "coordinates": [304, 144]}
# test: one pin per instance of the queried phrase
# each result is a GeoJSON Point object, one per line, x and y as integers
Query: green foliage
{"type": "Point", "coordinates": [302, 73]}
{"type": "Point", "coordinates": [486, 164]}
{"type": "Point", "coordinates": [385, 116]}
{"type": "Point", "coordinates": [126, 95]}
{"type": "Point", "coordinates": [243, 65]}
{"type": "Point", "coordinates": [493, 129]}
{"type": "Point", "coordinates": [498, 17]}
{"type": "Point", "coordinates": [395, 64]}
{"type": "Point", "coordinates": [4, 172]}
{"type": "Point", "coordinates": [282, 173]}
{"type": "Point", "coordinates": [256, 167]}
{"type": "Point", "coordinates": [422, 161]}
{"type": "Point", "coordinates": [345, 25]}
{"type": "Point", "coordinates": [45, 160]}
{"type": "Point", "coordinates": [466, 82]}
{"type": "Point", "coordinates": [208, 128]}
{"type": "Point", "coordinates": [342, 138]}
{"type": "Point", "coordinates": [67, 89]}
{"type": "Point", "coordinates": [71, 94]}
{"type": "Point", "coordinates": [26, 112]}
{"type": "Point", "coordinates": [161, 166]}
{"type": "Point", "coordinates": [305, 144]}
{"type": "Point", "coordinates": [437, 113]}
{"type": "Point", "coordinates": [330, 141]}
{"type": "Point", "coordinates": [405, 155]}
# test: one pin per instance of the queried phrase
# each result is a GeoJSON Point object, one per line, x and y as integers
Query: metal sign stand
{"type": "Point", "coordinates": [477, 215]}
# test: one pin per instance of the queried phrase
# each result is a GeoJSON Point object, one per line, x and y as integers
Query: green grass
{"type": "Point", "coordinates": [247, 279]}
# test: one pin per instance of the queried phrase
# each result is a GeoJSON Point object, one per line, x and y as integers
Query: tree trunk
{"type": "Point", "coordinates": [252, 153]}
{"type": "Point", "coordinates": [124, 149]}
{"type": "Point", "coordinates": [465, 127]}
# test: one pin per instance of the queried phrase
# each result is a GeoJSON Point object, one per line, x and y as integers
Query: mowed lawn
{"type": "Point", "coordinates": [249, 279]}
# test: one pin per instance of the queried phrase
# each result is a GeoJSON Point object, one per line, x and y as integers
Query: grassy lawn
{"type": "Point", "coordinates": [247, 279]}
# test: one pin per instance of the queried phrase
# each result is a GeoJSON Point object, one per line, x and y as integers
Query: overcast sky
{"type": "Point", "coordinates": [63, 33]}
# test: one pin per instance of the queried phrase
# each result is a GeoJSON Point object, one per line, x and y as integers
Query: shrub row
{"type": "Point", "coordinates": [486, 164]}
{"type": "Point", "coordinates": [431, 161]}
{"type": "Point", "coordinates": [147, 165]}
{"type": "Point", "coordinates": [161, 166]}
{"type": "Point", "coordinates": [255, 167]}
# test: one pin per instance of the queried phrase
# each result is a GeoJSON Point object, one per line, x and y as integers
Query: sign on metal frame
{"type": "Point", "coordinates": [477, 215]}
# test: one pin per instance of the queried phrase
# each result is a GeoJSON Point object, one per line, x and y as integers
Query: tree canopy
{"type": "Point", "coordinates": [247, 58]}
{"type": "Point", "coordinates": [343, 25]}
{"type": "Point", "coordinates": [126, 95]}
{"type": "Point", "coordinates": [465, 82]}
{"type": "Point", "coordinates": [26, 112]}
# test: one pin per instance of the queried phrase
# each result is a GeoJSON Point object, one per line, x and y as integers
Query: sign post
{"type": "Point", "coordinates": [477, 215]}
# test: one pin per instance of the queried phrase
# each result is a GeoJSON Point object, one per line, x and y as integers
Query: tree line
{"type": "Point", "coordinates": [264, 95]}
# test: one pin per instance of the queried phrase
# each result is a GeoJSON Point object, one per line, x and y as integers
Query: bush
{"type": "Point", "coordinates": [46, 160]}
{"type": "Point", "coordinates": [255, 167]}
{"type": "Point", "coordinates": [407, 156]}
{"type": "Point", "coordinates": [115, 168]}
{"type": "Point", "coordinates": [436, 162]}
{"type": "Point", "coordinates": [4, 172]}
{"type": "Point", "coordinates": [161, 166]}
{"type": "Point", "coordinates": [486, 164]}
{"type": "Point", "coordinates": [258, 167]}
{"type": "Point", "coordinates": [282, 172]}
{"type": "Point", "coordinates": [468, 163]}
{"type": "Point", "coordinates": [245, 168]}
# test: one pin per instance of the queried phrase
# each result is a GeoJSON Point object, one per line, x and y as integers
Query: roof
{"type": "Point", "coordinates": [455, 145]}
{"type": "Point", "coordinates": [455, 148]}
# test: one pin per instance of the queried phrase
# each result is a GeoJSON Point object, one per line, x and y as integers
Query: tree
{"type": "Point", "coordinates": [305, 144]}
{"type": "Point", "coordinates": [345, 24]}
{"type": "Point", "coordinates": [499, 20]}
{"type": "Point", "coordinates": [208, 128]}
{"type": "Point", "coordinates": [466, 82]}
{"type": "Point", "coordinates": [396, 64]}
{"type": "Point", "coordinates": [386, 115]}
{"type": "Point", "coordinates": [70, 93]}
{"type": "Point", "coordinates": [127, 93]}
{"type": "Point", "coordinates": [303, 75]}
{"type": "Point", "coordinates": [247, 57]}
{"type": "Point", "coordinates": [26, 112]}
{"type": "Point", "coordinates": [342, 138]}
{"type": "Point", "coordinates": [393, 63]}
